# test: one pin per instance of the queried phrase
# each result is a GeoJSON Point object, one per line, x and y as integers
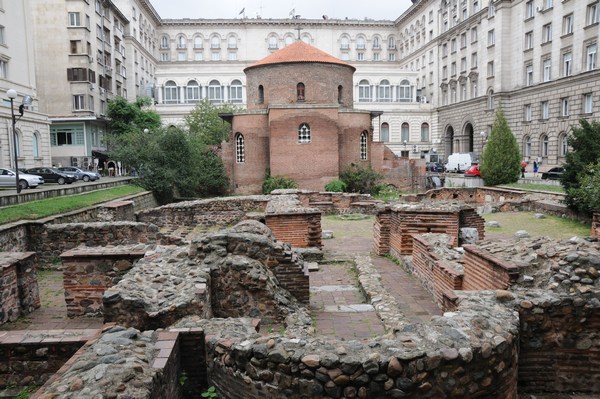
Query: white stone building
{"type": "Point", "coordinates": [439, 71]}
{"type": "Point", "coordinates": [17, 71]}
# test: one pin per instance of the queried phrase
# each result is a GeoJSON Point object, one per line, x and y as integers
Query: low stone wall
{"type": "Point", "coordinates": [336, 203]}
{"type": "Point", "coordinates": [89, 271]}
{"type": "Point", "coordinates": [124, 363]}
{"type": "Point", "coordinates": [19, 293]}
{"type": "Point", "coordinates": [32, 357]}
{"type": "Point", "coordinates": [116, 211]}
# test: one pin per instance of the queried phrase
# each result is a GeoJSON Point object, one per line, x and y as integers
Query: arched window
{"type": "Point", "coordinates": [235, 91]}
{"type": "Point", "coordinates": [405, 93]}
{"type": "Point", "coordinates": [384, 134]}
{"type": "Point", "coordinates": [164, 41]}
{"type": "Point", "coordinates": [360, 43]}
{"type": "Point", "coordinates": [18, 142]}
{"type": "Point", "coordinates": [564, 145]}
{"type": "Point", "coordinates": [232, 42]}
{"type": "Point", "coordinates": [340, 94]}
{"type": "Point", "coordinates": [384, 92]}
{"type": "Point", "coordinates": [526, 146]}
{"type": "Point", "coordinates": [273, 42]}
{"type": "Point", "coordinates": [544, 145]}
{"type": "Point", "coordinates": [424, 132]}
{"type": "Point", "coordinates": [405, 133]}
{"type": "Point", "coordinates": [344, 43]}
{"type": "Point", "coordinates": [261, 94]}
{"type": "Point", "coordinates": [490, 99]}
{"type": "Point", "coordinates": [198, 42]}
{"type": "Point", "coordinates": [306, 39]}
{"type": "Point", "coordinates": [391, 43]}
{"type": "Point", "coordinates": [215, 91]}
{"type": "Point", "coordinates": [364, 91]}
{"type": "Point", "coordinates": [289, 40]}
{"type": "Point", "coordinates": [215, 42]}
{"type": "Point", "coordinates": [300, 95]}
{"type": "Point", "coordinates": [36, 144]}
{"type": "Point", "coordinates": [363, 145]}
{"type": "Point", "coordinates": [376, 43]}
{"type": "Point", "coordinates": [192, 92]}
{"type": "Point", "coordinates": [304, 133]}
{"type": "Point", "coordinates": [240, 151]}
{"type": "Point", "coordinates": [181, 42]}
{"type": "Point", "coordinates": [171, 93]}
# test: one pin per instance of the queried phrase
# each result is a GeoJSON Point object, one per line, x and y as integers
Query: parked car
{"type": "Point", "coordinates": [8, 178]}
{"type": "Point", "coordinates": [458, 162]}
{"type": "Point", "coordinates": [53, 175]}
{"type": "Point", "coordinates": [554, 173]}
{"type": "Point", "coordinates": [80, 174]}
{"type": "Point", "coordinates": [435, 167]}
{"type": "Point", "coordinates": [473, 171]}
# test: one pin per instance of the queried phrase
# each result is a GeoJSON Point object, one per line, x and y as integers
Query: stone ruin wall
{"type": "Point", "coordinates": [19, 293]}
{"type": "Point", "coordinates": [595, 225]}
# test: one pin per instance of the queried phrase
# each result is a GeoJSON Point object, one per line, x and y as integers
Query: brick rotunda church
{"type": "Point", "coordinates": [300, 123]}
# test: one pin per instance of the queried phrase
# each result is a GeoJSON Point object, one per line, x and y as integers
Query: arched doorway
{"type": "Point", "coordinates": [449, 141]}
{"type": "Point", "coordinates": [469, 135]}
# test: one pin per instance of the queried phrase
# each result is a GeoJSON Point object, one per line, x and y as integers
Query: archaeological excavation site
{"type": "Point", "coordinates": [256, 297]}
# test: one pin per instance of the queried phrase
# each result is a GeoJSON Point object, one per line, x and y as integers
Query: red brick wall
{"type": "Point", "coordinates": [482, 271]}
{"type": "Point", "coordinates": [405, 224]}
{"type": "Point", "coordinates": [381, 233]}
{"type": "Point", "coordinates": [298, 230]}
{"type": "Point", "coordinates": [19, 293]}
{"type": "Point", "coordinates": [595, 225]}
{"type": "Point", "coordinates": [470, 218]}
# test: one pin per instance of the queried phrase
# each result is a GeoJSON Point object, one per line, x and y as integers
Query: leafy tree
{"type": "Point", "coordinates": [501, 159]}
{"type": "Point", "coordinates": [205, 124]}
{"type": "Point", "coordinates": [586, 197]}
{"type": "Point", "coordinates": [124, 116]}
{"type": "Point", "coordinates": [361, 180]}
{"type": "Point", "coordinates": [584, 141]}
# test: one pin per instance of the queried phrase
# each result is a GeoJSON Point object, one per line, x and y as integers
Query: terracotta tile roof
{"type": "Point", "coordinates": [299, 52]}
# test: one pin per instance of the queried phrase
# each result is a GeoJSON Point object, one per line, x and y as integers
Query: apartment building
{"type": "Point", "coordinates": [439, 72]}
{"type": "Point", "coordinates": [17, 72]}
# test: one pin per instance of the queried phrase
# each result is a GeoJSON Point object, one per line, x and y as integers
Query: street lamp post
{"type": "Point", "coordinates": [12, 94]}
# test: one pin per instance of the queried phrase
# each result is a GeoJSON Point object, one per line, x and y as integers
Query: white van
{"type": "Point", "coordinates": [459, 162]}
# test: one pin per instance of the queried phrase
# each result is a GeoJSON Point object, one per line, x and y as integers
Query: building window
{"type": "Point", "coordinates": [192, 92]}
{"type": "Point", "coordinates": [78, 102]}
{"type": "Point", "coordinates": [171, 93]}
{"type": "Point", "coordinates": [491, 38]}
{"type": "Point", "coordinates": [548, 4]}
{"type": "Point", "coordinates": [376, 57]}
{"type": "Point", "coordinates": [527, 146]}
{"type": "Point", "coordinates": [474, 35]}
{"type": "Point", "coordinates": [181, 42]}
{"type": "Point", "coordinates": [289, 40]}
{"type": "Point", "coordinates": [340, 94]}
{"type": "Point", "coordinates": [544, 145]}
{"type": "Point", "coordinates": [453, 46]}
{"type": "Point", "coordinates": [384, 91]}
{"type": "Point", "coordinates": [588, 103]}
{"type": "Point", "coordinates": [66, 136]}
{"type": "Point", "coordinates": [232, 56]}
{"type": "Point", "coordinates": [529, 40]}
{"type": "Point", "coordinates": [590, 52]}
{"type": "Point", "coordinates": [300, 95]}
{"type": "Point", "coordinates": [74, 19]}
{"type": "Point", "coordinates": [364, 91]}
{"type": "Point", "coordinates": [547, 70]}
{"type": "Point", "coordinates": [261, 94]}
{"type": "Point", "coordinates": [215, 91]}
{"type": "Point", "coordinates": [453, 69]}
{"type": "Point", "coordinates": [391, 43]}
{"type": "Point", "coordinates": [528, 75]}
{"type": "Point", "coordinates": [463, 40]}
{"type": "Point", "coordinates": [215, 42]}
{"type": "Point", "coordinates": [473, 60]}
{"type": "Point", "coordinates": [35, 143]}
{"type": "Point", "coordinates": [273, 42]}
{"type": "Point", "coordinates": [363, 145]}
{"type": "Point", "coordinates": [198, 42]}
{"type": "Point", "coordinates": [463, 64]}
{"type": "Point", "coordinates": [567, 63]}
{"type": "Point", "coordinates": [164, 42]}
{"type": "Point", "coordinates": [384, 134]}
{"type": "Point", "coordinates": [181, 56]}
{"type": "Point", "coordinates": [360, 43]}
{"type": "Point", "coordinates": [592, 14]}
{"type": "Point", "coordinates": [235, 91]}
{"type": "Point", "coordinates": [568, 24]}
{"type": "Point", "coordinates": [444, 50]}
{"type": "Point", "coordinates": [424, 132]}
{"type": "Point", "coordinates": [232, 42]}
{"type": "Point", "coordinates": [490, 100]}
{"type": "Point", "coordinates": [164, 56]}
{"type": "Point", "coordinates": [490, 69]}
{"type": "Point", "coordinates": [360, 56]}
{"type": "Point", "coordinates": [545, 110]}
{"type": "Point", "coordinates": [391, 56]}
{"type": "Point", "coordinates": [376, 43]}
{"type": "Point", "coordinates": [405, 132]}
{"type": "Point", "coordinates": [564, 106]}
{"type": "Point", "coordinates": [529, 10]}
{"type": "Point", "coordinates": [547, 33]}
{"type": "Point", "coordinates": [240, 155]}
{"type": "Point", "coordinates": [304, 134]}
{"type": "Point", "coordinates": [344, 43]}
{"type": "Point", "coordinates": [528, 113]}
{"type": "Point", "coordinates": [405, 91]}
{"type": "Point", "coordinates": [563, 143]}
{"type": "Point", "coordinates": [491, 10]}
{"type": "Point", "coordinates": [215, 56]}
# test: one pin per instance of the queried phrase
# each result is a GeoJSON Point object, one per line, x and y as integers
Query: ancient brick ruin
{"type": "Point", "coordinates": [521, 314]}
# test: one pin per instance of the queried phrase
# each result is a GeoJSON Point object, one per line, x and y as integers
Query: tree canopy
{"type": "Point", "coordinates": [501, 158]}
{"type": "Point", "coordinates": [205, 124]}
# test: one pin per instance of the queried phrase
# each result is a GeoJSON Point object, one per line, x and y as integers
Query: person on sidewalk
{"type": "Point", "coordinates": [535, 168]}
{"type": "Point", "coordinates": [523, 165]}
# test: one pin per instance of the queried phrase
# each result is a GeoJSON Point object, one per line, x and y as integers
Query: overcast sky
{"type": "Point", "coordinates": [340, 9]}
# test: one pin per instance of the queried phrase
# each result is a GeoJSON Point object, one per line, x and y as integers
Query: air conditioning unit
{"type": "Point", "coordinates": [92, 86]}
{"type": "Point", "coordinates": [74, 161]}
{"type": "Point", "coordinates": [87, 161]}
{"type": "Point", "coordinates": [102, 91]}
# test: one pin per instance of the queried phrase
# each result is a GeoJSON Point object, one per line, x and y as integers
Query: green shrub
{"type": "Point", "coordinates": [359, 179]}
{"type": "Point", "coordinates": [335, 186]}
{"type": "Point", "coordinates": [277, 182]}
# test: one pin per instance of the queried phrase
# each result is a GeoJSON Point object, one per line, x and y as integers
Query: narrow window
{"type": "Point", "coordinates": [384, 134]}
{"type": "Point", "coordinates": [425, 132]}
{"type": "Point", "coordinates": [340, 95]}
{"type": "Point", "coordinates": [240, 155]}
{"type": "Point", "coordinates": [527, 146]}
{"type": "Point", "coordinates": [363, 145]}
{"type": "Point", "coordinates": [304, 134]}
{"type": "Point", "coordinates": [300, 91]}
{"type": "Point", "coordinates": [404, 133]}
{"type": "Point", "coordinates": [544, 145]}
{"type": "Point", "coordinates": [261, 94]}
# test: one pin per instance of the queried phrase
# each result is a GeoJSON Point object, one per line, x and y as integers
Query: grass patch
{"type": "Point", "coordinates": [551, 226]}
{"type": "Point", "coordinates": [536, 187]}
{"type": "Point", "coordinates": [53, 206]}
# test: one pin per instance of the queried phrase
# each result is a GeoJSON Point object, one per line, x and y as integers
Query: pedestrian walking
{"type": "Point", "coordinates": [523, 165]}
{"type": "Point", "coordinates": [535, 168]}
